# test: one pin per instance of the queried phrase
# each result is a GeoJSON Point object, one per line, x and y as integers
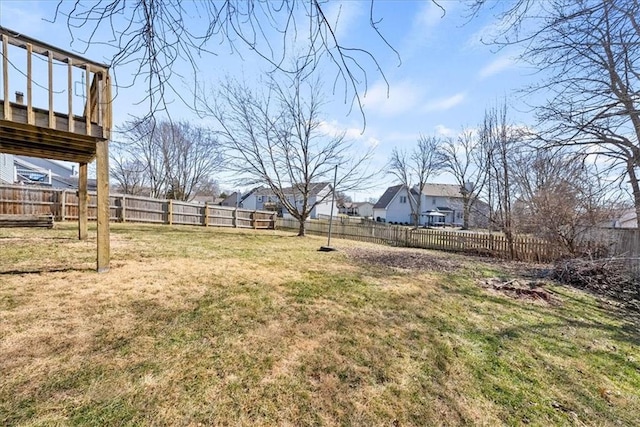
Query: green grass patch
{"type": "Point", "coordinates": [225, 327]}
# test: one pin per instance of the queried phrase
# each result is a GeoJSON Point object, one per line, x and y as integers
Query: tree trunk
{"type": "Point", "coordinates": [466, 211]}
{"type": "Point", "coordinates": [635, 188]}
{"type": "Point", "coordinates": [302, 227]}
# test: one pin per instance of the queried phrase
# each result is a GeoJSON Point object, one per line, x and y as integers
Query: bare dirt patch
{"type": "Point", "coordinates": [404, 259]}
{"type": "Point", "coordinates": [520, 289]}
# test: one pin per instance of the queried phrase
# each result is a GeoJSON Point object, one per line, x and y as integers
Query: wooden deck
{"type": "Point", "coordinates": [60, 134]}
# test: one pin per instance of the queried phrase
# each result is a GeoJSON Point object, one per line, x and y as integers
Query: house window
{"type": "Point", "coordinates": [259, 198]}
{"type": "Point", "coordinates": [403, 199]}
{"type": "Point", "coordinates": [459, 215]}
{"type": "Point", "coordinates": [433, 201]}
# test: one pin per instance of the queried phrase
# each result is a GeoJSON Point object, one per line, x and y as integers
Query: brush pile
{"type": "Point", "coordinates": [608, 277]}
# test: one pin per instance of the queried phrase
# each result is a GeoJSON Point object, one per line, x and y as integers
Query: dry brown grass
{"type": "Point", "coordinates": [222, 327]}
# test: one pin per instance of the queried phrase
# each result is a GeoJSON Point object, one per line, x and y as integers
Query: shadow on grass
{"type": "Point", "coordinates": [586, 314]}
{"type": "Point", "coordinates": [47, 270]}
{"type": "Point", "coordinates": [49, 238]}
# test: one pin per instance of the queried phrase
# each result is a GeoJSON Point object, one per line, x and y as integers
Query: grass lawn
{"type": "Point", "coordinates": [196, 326]}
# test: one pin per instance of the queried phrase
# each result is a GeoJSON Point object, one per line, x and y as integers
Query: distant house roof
{"type": "Point", "coordinates": [442, 190]}
{"type": "Point", "coordinates": [387, 197]}
{"type": "Point", "coordinates": [429, 190]}
{"type": "Point", "coordinates": [314, 189]}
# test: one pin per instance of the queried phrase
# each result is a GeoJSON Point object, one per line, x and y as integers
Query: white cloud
{"type": "Point", "coordinates": [444, 131]}
{"type": "Point", "coordinates": [444, 104]}
{"type": "Point", "coordinates": [423, 28]}
{"type": "Point", "coordinates": [401, 97]}
{"type": "Point", "coordinates": [496, 66]}
{"type": "Point", "coordinates": [334, 129]}
{"type": "Point", "coordinates": [429, 15]}
{"type": "Point", "coordinates": [343, 16]}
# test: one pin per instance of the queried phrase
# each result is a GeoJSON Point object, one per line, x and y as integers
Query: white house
{"type": "Point", "coordinates": [265, 199]}
{"type": "Point", "coordinates": [363, 209]}
{"type": "Point", "coordinates": [441, 204]}
{"type": "Point", "coordinates": [15, 169]}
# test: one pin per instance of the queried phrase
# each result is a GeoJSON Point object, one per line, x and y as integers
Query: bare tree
{"type": "Point", "coordinates": [499, 140]}
{"type": "Point", "coordinates": [561, 196]}
{"type": "Point", "coordinates": [177, 156]}
{"type": "Point", "coordinates": [413, 169]}
{"type": "Point", "coordinates": [161, 36]}
{"type": "Point", "coordinates": [128, 172]}
{"type": "Point", "coordinates": [588, 50]}
{"type": "Point", "coordinates": [463, 159]}
{"type": "Point", "coordinates": [276, 138]}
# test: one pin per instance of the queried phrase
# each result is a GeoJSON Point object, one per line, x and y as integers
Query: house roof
{"type": "Point", "coordinates": [442, 190]}
{"type": "Point", "coordinates": [387, 197]}
{"type": "Point", "coordinates": [314, 189]}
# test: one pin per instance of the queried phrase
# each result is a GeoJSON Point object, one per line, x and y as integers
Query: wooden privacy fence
{"type": "Point", "coordinates": [63, 205]}
{"type": "Point", "coordinates": [526, 248]}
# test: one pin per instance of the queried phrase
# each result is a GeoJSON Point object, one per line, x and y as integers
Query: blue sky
{"type": "Point", "coordinates": [446, 79]}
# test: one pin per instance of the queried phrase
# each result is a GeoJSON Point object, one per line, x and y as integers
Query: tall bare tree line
{"type": "Point", "coordinates": [588, 52]}
{"type": "Point", "coordinates": [165, 159]}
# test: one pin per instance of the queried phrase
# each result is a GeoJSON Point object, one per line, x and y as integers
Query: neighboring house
{"type": "Point", "coordinates": [626, 219]}
{"type": "Point", "coordinates": [244, 201]}
{"type": "Point", "coordinates": [232, 200]}
{"type": "Point", "coordinates": [441, 204]}
{"type": "Point", "coordinates": [265, 199]}
{"type": "Point", "coordinates": [15, 169]}
{"type": "Point", "coordinates": [6, 168]}
{"type": "Point", "coordinates": [363, 209]}
{"type": "Point", "coordinates": [211, 200]}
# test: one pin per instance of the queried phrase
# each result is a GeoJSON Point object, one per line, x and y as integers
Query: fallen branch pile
{"type": "Point", "coordinates": [608, 277]}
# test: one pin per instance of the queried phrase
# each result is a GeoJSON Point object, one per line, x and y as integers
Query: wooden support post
{"type": "Point", "coordinates": [70, 93]}
{"type": "Point", "coordinates": [87, 109]}
{"type": "Point", "coordinates": [170, 212]}
{"type": "Point", "coordinates": [102, 174]}
{"type": "Point", "coordinates": [83, 202]}
{"type": "Point", "coordinates": [5, 76]}
{"type": "Point", "coordinates": [206, 214]}
{"type": "Point", "coordinates": [52, 117]}
{"type": "Point", "coordinates": [253, 219]}
{"type": "Point", "coordinates": [30, 116]}
{"type": "Point", "coordinates": [234, 220]}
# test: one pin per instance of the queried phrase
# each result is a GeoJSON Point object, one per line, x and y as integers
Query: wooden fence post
{"type": "Point", "coordinates": [170, 212]}
{"type": "Point", "coordinates": [63, 205]}
{"type": "Point", "coordinates": [83, 201]}
{"type": "Point", "coordinates": [253, 220]}
{"type": "Point", "coordinates": [206, 214]}
{"type": "Point", "coordinates": [123, 208]}
{"type": "Point", "coordinates": [234, 218]}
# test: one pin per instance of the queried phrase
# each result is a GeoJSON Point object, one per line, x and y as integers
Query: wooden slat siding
{"type": "Point", "coordinates": [528, 248]}
{"type": "Point", "coordinates": [10, 221]}
{"type": "Point", "coordinates": [24, 200]}
{"type": "Point", "coordinates": [183, 213]}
